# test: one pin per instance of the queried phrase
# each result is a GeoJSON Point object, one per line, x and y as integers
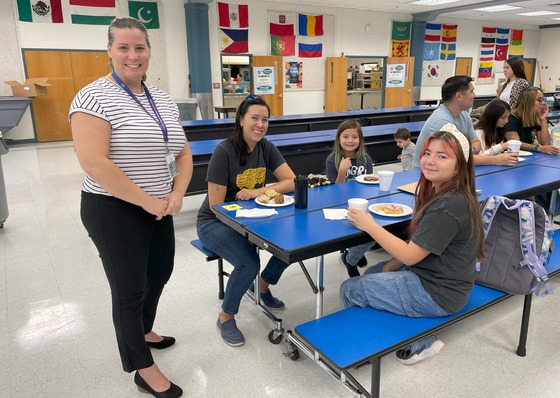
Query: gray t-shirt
{"type": "Point", "coordinates": [224, 169]}
{"type": "Point", "coordinates": [439, 118]}
{"type": "Point", "coordinates": [354, 171]}
{"type": "Point", "coordinates": [449, 271]}
{"type": "Point", "coordinates": [406, 156]}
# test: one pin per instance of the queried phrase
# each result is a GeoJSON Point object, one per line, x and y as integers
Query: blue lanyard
{"type": "Point", "coordinates": [157, 118]}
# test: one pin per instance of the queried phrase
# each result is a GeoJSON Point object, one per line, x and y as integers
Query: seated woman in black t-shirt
{"type": "Point", "coordinates": [528, 122]}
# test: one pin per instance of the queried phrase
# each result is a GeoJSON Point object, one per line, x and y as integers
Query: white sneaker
{"type": "Point", "coordinates": [411, 354]}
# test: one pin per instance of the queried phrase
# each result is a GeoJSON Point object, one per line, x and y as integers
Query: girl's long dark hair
{"type": "Point", "coordinates": [236, 139]}
{"type": "Point", "coordinates": [337, 149]}
{"type": "Point", "coordinates": [462, 183]}
{"type": "Point", "coordinates": [487, 123]}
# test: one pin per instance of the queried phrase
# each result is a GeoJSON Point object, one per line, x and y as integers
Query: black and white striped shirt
{"type": "Point", "coordinates": [137, 146]}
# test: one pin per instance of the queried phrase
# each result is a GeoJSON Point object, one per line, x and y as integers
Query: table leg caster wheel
{"type": "Point", "coordinates": [273, 339]}
{"type": "Point", "coordinates": [292, 352]}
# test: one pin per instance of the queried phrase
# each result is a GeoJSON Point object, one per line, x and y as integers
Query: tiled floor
{"type": "Point", "coordinates": [57, 340]}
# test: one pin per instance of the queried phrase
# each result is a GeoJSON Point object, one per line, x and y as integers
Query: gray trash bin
{"type": "Point", "coordinates": [3, 197]}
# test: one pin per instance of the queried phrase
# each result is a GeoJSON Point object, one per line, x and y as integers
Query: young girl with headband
{"type": "Point", "coordinates": [433, 274]}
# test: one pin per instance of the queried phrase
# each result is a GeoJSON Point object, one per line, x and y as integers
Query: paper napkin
{"type": "Point", "coordinates": [335, 214]}
{"type": "Point", "coordinates": [255, 213]}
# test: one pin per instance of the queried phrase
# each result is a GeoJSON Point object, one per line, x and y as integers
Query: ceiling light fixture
{"type": "Point", "coordinates": [497, 8]}
{"type": "Point", "coordinates": [538, 13]}
{"type": "Point", "coordinates": [432, 2]}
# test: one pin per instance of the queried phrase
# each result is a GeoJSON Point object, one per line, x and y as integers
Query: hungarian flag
{"type": "Point", "coordinates": [310, 25]}
{"type": "Point", "coordinates": [46, 11]}
{"type": "Point", "coordinates": [234, 41]}
{"type": "Point", "coordinates": [92, 12]}
{"type": "Point", "coordinates": [283, 45]}
{"type": "Point", "coordinates": [146, 12]}
{"type": "Point", "coordinates": [233, 15]}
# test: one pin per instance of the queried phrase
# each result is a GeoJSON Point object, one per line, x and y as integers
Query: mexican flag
{"type": "Point", "coordinates": [93, 12]}
{"type": "Point", "coordinates": [46, 11]}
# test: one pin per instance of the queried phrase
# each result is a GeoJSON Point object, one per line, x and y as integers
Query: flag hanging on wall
{"type": "Point", "coordinates": [46, 11]}
{"type": "Point", "coordinates": [400, 39]}
{"type": "Point", "coordinates": [487, 47]}
{"type": "Point", "coordinates": [233, 32]}
{"type": "Point", "coordinates": [502, 43]}
{"type": "Point", "coordinates": [234, 41]}
{"type": "Point", "coordinates": [432, 38]}
{"type": "Point", "coordinates": [282, 33]}
{"type": "Point", "coordinates": [448, 42]}
{"type": "Point", "coordinates": [92, 12]}
{"type": "Point", "coordinates": [233, 15]}
{"type": "Point", "coordinates": [283, 45]}
{"type": "Point", "coordinates": [516, 47]}
{"type": "Point", "coordinates": [310, 47]}
{"type": "Point", "coordinates": [146, 12]}
{"type": "Point", "coordinates": [310, 25]}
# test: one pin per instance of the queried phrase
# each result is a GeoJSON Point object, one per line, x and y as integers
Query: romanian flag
{"type": "Point", "coordinates": [233, 15]}
{"type": "Point", "coordinates": [234, 41]}
{"type": "Point", "coordinates": [310, 25]}
{"type": "Point", "coordinates": [46, 11]}
{"type": "Point", "coordinates": [283, 45]}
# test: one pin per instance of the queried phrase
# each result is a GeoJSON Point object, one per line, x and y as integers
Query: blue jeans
{"type": "Point", "coordinates": [355, 253]}
{"type": "Point", "coordinates": [236, 250]}
{"type": "Point", "coordinates": [400, 292]}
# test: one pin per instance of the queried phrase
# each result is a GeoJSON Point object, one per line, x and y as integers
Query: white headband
{"type": "Point", "coordinates": [463, 141]}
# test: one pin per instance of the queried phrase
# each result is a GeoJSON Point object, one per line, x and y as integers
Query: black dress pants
{"type": "Point", "coordinates": [137, 253]}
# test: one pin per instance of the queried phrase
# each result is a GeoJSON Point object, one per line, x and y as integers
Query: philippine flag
{"type": "Point", "coordinates": [234, 41]}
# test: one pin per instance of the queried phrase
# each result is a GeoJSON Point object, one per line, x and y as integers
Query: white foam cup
{"type": "Point", "coordinates": [358, 203]}
{"type": "Point", "coordinates": [385, 179]}
{"type": "Point", "coordinates": [514, 145]}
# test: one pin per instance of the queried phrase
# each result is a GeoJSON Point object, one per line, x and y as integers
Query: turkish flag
{"type": "Point", "coordinates": [501, 52]}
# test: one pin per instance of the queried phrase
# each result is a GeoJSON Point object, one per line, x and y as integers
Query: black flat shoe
{"type": "Point", "coordinates": [166, 342]}
{"type": "Point", "coordinates": [172, 392]}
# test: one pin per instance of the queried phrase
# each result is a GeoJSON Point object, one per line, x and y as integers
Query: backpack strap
{"type": "Point", "coordinates": [528, 247]}
{"type": "Point", "coordinates": [488, 212]}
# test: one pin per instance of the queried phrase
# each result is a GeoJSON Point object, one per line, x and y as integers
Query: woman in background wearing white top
{"type": "Point", "coordinates": [138, 166]}
{"type": "Point", "coordinates": [516, 81]}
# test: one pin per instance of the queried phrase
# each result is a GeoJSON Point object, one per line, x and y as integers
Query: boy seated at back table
{"type": "Point", "coordinates": [403, 140]}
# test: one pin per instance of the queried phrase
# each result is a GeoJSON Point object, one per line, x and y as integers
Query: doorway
{"type": "Point", "coordinates": [236, 79]}
{"type": "Point", "coordinates": [365, 82]}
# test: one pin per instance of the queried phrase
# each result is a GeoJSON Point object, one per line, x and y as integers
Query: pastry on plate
{"type": "Point", "coordinates": [271, 193]}
{"type": "Point", "coordinates": [263, 199]}
{"type": "Point", "coordinates": [279, 198]}
{"type": "Point", "coordinates": [391, 208]}
{"type": "Point", "coordinates": [371, 177]}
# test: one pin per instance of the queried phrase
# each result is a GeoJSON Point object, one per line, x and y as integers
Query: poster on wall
{"type": "Point", "coordinates": [294, 74]}
{"type": "Point", "coordinates": [395, 75]}
{"type": "Point", "coordinates": [263, 77]}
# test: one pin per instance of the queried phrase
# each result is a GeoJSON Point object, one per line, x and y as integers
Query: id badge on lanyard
{"type": "Point", "coordinates": [171, 164]}
{"type": "Point", "coordinates": [169, 157]}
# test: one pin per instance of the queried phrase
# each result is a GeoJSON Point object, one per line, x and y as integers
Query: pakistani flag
{"type": "Point", "coordinates": [146, 12]}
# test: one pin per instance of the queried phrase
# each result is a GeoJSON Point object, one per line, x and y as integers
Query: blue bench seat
{"type": "Point", "coordinates": [356, 336]}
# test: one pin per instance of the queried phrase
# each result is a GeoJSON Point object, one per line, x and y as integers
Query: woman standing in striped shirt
{"type": "Point", "coordinates": [138, 166]}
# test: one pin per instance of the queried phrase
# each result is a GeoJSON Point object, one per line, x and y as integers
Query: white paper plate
{"type": "Point", "coordinates": [374, 209]}
{"type": "Point", "coordinates": [361, 179]}
{"type": "Point", "coordinates": [288, 200]}
{"type": "Point", "coordinates": [525, 153]}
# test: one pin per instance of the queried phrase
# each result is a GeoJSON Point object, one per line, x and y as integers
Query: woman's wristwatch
{"type": "Point", "coordinates": [537, 145]}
